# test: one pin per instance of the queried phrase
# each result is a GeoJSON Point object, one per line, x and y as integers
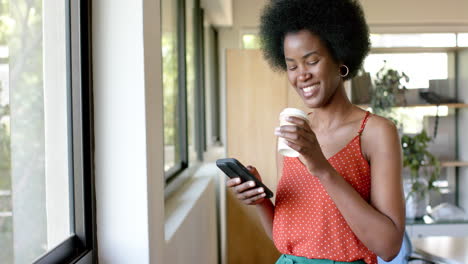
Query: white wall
{"type": "Point", "coordinates": [135, 224]}
{"type": "Point", "coordinates": [415, 11]}
{"type": "Point", "coordinates": [128, 131]}
{"type": "Point", "coordinates": [219, 12]}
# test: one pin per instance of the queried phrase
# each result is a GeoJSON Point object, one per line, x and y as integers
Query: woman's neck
{"type": "Point", "coordinates": [334, 113]}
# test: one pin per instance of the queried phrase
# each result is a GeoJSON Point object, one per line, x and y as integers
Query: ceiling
{"type": "Point", "coordinates": [218, 12]}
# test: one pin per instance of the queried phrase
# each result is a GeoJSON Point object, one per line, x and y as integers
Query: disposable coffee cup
{"type": "Point", "coordinates": [283, 147]}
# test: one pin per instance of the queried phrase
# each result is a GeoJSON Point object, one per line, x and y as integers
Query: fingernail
{"type": "Point", "coordinates": [237, 180]}
{"type": "Point", "coordinates": [263, 195]}
{"type": "Point", "coordinates": [251, 184]}
{"type": "Point", "coordinates": [260, 190]}
{"type": "Point", "coordinates": [289, 118]}
{"type": "Point", "coordinates": [277, 133]}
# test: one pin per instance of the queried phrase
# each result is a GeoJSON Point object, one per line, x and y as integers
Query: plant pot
{"type": "Point", "coordinates": [400, 98]}
{"type": "Point", "coordinates": [361, 89]}
{"type": "Point", "coordinates": [416, 205]}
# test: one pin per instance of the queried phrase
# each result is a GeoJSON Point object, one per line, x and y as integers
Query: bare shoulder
{"type": "Point", "coordinates": [378, 125]}
{"type": "Point", "coordinates": [380, 134]}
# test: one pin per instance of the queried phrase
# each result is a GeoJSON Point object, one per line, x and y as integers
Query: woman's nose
{"type": "Point", "coordinates": [305, 76]}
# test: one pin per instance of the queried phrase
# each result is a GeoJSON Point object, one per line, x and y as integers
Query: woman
{"type": "Point", "coordinates": [342, 199]}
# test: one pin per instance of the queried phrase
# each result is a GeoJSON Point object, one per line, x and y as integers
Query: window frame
{"type": "Point", "coordinates": [80, 246]}
{"type": "Point", "coordinates": [182, 136]}
{"type": "Point", "coordinates": [199, 44]}
{"type": "Point", "coordinates": [450, 51]}
{"type": "Point", "coordinates": [199, 129]}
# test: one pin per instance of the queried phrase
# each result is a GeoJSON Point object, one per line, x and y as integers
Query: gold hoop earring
{"type": "Point", "coordinates": [341, 72]}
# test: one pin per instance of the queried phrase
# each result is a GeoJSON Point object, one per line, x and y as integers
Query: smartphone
{"type": "Point", "coordinates": [233, 169]}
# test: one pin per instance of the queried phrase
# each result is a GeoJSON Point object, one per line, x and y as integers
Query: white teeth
{"type": "Point", "coordinates": [309, 89]}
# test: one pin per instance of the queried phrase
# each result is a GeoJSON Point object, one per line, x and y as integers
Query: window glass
{"type": "Point", "coordinates": [420, 67]}
{"type": "Point", "coordinates": [413, 40]}
{"type": "Point", "coordinates": [462, 40]}
{"type": "Point", "coordinates": [34, 129]}
{"type": "Point", "coordinates": [191, 80]}
{"type": "Point", "coordinates": [250, 41]}
{"type": "Point", "coordinates": [170, 43]}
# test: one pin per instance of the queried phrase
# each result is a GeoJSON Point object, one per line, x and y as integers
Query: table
{"type": "Point", "coordinates": [452, 248]}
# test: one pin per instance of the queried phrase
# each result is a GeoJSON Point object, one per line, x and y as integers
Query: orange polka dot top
{"type": "Point", "coordinates": [307, 222]}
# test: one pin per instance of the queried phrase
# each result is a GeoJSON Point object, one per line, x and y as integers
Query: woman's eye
{"type": "Point", "coordinates": [312, 62]}
{"type": "Point", "coordinates": [292, 68]}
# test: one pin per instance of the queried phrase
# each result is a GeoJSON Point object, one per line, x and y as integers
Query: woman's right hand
{"type": "Point", "coordinates": [246, 192]}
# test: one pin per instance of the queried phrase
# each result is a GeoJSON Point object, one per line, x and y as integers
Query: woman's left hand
{"type": "Point", "coordinates": [301, 138]}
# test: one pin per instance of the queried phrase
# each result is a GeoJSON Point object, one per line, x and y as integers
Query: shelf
{"type": "Point", "coordinates": [429, 221]}
{"type": "Point", "coordinates": [454, 163]}
{"type": "Point", "coordinates": [454, 105]}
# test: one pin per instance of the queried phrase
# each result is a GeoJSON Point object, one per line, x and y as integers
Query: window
{"type": "Point", "coordinates": [426, 40]}
{"type": "Point", "coordinates": [423, 57]}
{"type": "Point", "coordinates": [413, 40]}
{"type": "Point", "coordinates": [462, 40]}
{"type": "Point", "coordinates": [175, 155]}
{"type": "Point", "coordinates": [420, 66]}
{"type": "Point", "coordinates": [428, 60]}
{"type": "Point", "coordinates": [182, 40]}
{"type": "Point", "coordinates": [191, 73]}
{"type": "Point", "coordinates": [46, 209]}
{"type": "Point", "coordinates": [250, 41]}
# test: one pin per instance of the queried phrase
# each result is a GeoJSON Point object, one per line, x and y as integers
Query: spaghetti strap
{"type": "Point", "coordinates": [364, 122]}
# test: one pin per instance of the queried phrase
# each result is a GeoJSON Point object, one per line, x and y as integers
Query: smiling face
{"type": "Point", "coordinates": [311, 69]}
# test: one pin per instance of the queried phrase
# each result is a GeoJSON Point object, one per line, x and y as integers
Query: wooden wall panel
{"type": "Point", "coordinates": [255, 97]}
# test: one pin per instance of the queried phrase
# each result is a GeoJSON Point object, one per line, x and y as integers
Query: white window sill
{"type": "Point", "coordinates": [182, 200]}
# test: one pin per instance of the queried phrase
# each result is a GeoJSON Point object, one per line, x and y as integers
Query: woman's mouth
{"type": "Point", "coordinates": [310, 90]}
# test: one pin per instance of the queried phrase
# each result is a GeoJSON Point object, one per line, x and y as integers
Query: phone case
{"type": "Point", "coordinates": [233, 168]}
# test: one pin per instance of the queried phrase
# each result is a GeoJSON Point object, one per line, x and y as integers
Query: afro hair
{"type": "Point", "coordinates": [340, 24]}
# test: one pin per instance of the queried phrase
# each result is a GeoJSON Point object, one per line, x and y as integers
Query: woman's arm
{"type": "Point", "coordinates": [379, 225]}
{"type": "Point", "coordinates": [266, 211]}
{"type": "Point", "coordinates": [250, 195]}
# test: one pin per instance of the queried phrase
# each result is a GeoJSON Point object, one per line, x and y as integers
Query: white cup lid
{"type": "Point", "coordinates": [294, 112]}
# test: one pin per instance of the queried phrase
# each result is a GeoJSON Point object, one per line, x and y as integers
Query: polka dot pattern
{"type": "Point", "coordinates": [307, 222]}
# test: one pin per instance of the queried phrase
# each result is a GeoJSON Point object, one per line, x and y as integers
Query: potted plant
{"type": "Point", "coordinates": [388, 91]}
{"type": "Point", "coordinates": [424, 171]}
{"type": "Point", "coordinates": [424, 168]}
